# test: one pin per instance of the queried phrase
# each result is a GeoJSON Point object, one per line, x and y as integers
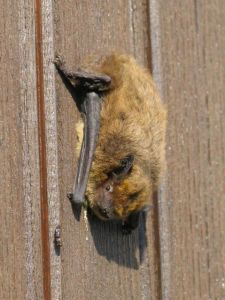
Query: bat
{"type": "Point", "coordinates": [122, 156]}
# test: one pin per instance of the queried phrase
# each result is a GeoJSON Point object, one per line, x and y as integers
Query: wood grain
{"type": "Point", "coordinates": [20, 254]}
{"type": "Point", "coordinates": [180, 252]}
{"type": "Point", "coordinates": [51, 145]}
{"type": "Point", "coordinates": [189, 59]}
{"type": "Point", "coordinates": [97, 261]}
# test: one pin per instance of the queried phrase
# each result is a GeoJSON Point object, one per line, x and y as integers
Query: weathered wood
{"type": "Point", "coordinates": [189, 59]}
{"type": "Point", "coordinates": [20, 254]}
{"type": "Point", "coordinates": [51, 145]}
{"type": "Point", "coordinates": [184, 42]}
{"type": "Point", "coordinates": [97, 261]}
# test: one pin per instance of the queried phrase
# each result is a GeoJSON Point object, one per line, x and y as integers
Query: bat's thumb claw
{"type": "Point", "coordinates": [70, 196]}
{"type": "Point", "coordinates": [58, 60]}
{"type": "Point", "coordinates": [75, 199]}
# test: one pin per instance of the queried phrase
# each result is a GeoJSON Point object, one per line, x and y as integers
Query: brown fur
{"type": "Point", "coordinates": [133, 121]}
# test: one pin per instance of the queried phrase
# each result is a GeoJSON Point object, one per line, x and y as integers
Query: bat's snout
{"type": "Point", "coordinates": [104, 212]}
{"type": "Point", "coordinates": [103, 204]}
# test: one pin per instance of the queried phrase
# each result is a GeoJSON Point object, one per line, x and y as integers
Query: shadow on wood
{"type": "Point", "coordinates": [115, 246]}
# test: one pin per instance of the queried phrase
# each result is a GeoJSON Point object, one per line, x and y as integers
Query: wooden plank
{"type": "Point", "coordinates": [20, 254]}
{"type": "Point", "coordinates": [97, 261]}
{"type": "Point", "coordinates": [51, 144]}
{"type": "Point", "coordinates": [189, 59]}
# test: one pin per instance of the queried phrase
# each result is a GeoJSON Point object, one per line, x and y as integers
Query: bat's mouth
{"type": "Point", "coordinates": [104, 214]}
{"type": "Point", "coordinates": [91, 107]}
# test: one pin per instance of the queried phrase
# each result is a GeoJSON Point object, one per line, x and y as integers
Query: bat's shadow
{"type": "Point", "coordinates": [110, 242]}
{"type": "Point", "coordinates": [125, 250]}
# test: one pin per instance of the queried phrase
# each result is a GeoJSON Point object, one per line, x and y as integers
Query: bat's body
{"type": "Point", "coordinates": [129, 155]}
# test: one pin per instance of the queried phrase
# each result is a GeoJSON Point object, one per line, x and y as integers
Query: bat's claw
{"type": "Point", "coordinates": [59, 61]}
{"type": "Point", "coordinates": [70, 196]}
{"type": "Point", "coordinates": [126, 230]}
{"type": "Point", "coordinates": [75, 200]}
{"type": "Point", "coordinates": [131, 223]}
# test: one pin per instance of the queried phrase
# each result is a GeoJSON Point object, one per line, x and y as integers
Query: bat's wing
{"type": "Point", "coordinates": [89, 87]}
{"type": "Point", "coordinates": [83, 79]}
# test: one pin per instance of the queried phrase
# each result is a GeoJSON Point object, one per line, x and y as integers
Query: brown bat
{"type": "Point", "coordinates": [122, 154]}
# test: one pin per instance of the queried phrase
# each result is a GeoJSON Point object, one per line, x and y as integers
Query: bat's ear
{"type": "Point", "coordinates": [125, 167]}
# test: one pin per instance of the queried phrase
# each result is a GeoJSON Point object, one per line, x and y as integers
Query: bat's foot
{"type": "Point", "coordinates": [126, 230]}
{"type": "Point", "coordinates": [131, 223]}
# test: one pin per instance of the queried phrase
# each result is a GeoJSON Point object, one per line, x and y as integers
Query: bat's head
{"type": "Point", "coordinates": [122, 191]}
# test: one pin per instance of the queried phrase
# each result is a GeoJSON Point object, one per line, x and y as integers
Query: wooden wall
{"type": "Point", "coordinates": [180, 252]}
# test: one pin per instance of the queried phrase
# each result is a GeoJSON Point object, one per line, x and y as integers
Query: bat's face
{"type": "Point", "coordinates": [123, 191]}
{"type": "Point", "coordinates": [114, 201]}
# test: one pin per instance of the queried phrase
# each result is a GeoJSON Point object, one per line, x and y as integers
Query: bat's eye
{"type": "Point", "coordinates": [109, 188]}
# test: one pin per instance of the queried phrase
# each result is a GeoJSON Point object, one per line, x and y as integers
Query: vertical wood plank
{"type": "Point", "coordinates": [20, 254]}
{"type": "Point", "coordinates": [42, 150]}
{"type": "Point", "coordinates": [51, 145]}
{"type": "Point", "coordinates": [188, 57]}
{"type": "Point", "coordinates": [97, 261]}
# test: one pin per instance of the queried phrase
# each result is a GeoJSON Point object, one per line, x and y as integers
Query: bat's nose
{"type": "Point", "coordinates": [104, 212]}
